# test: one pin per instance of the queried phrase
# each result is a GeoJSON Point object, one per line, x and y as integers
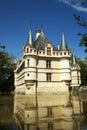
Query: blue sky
{"type": "Point", "coordinates": [54, 15]}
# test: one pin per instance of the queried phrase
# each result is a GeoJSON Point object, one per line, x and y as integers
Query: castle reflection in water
{"type": "Point", "coordinates": [50, 112]}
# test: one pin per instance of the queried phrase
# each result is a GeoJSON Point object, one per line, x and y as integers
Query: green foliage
{"type": "Point", "coordinates": [83, 66]}
{"type": "Point", "coordinates": [83, 23]}
{"type": "Point", "coordinates": [83, 41]}
{"type": "Point", "coordinates": [7, 67]}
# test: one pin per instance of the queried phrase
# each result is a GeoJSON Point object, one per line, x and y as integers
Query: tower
{"type": "Point", "coordinates": [75, 72]}
{"type": "Point", "coordinates": [65, 55]}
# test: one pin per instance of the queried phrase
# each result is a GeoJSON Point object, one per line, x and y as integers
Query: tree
{"type": "Point", "coordinates": [7, 67]}
{"type": "Point", "coordinates": [83, 66]}
{"type": "Point", "coordinates": [3, 47]}
{"type": "Point", "coordinates": [83, 23]}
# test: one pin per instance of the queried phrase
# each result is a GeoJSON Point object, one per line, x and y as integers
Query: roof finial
{"type": "Point", "coordinates": [31, 25]}
{"type": "Point", "coordinates": [62, 29]}
{"type": "Point", "coordinates": [63, 40]}
{"type": "Point", "coordinates": [30, 38]}
{"type": "Point", "coordinates": [41, 26]}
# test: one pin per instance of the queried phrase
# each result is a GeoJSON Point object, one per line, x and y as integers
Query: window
{"type": "Point", "coordinates": [28, 74]}
{"type": "Point", "coordinates": [27, 62]}
{"type": "Point", "coordinates": [49, 109]}
{"type": "Point", "coordinates": [35, 51]}
{"type": "Point", "coordinates": [28, 127]}
{"type": "Point", "coordinates": [57, 53]}
{"type": "Point", "coordinates": [64, 53]}
{"type": "Point", "coordinates": [53, 53]}
{"type": "Point", "coordinates": [30, 50]}
{"type": "Point", "coordinates": [27, 115]}
{"type": "Point", "coordinates": [78, 76]}
{"type": "Point", "coordinates": [50, 126]}
{"type": "Point", "coordinates": [48, 76]}
{"type": "Point", "coordinates": [48, 51]}
{"type": "Point", "coordinates": [27, 49]}
{"type": "Point", "coordinates": [48, 64]}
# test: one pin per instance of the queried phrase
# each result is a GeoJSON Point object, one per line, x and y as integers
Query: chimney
{"type": "Point", "coordinates": [58, 47]}
{"type": "Point", "coordinates": [38, 32]}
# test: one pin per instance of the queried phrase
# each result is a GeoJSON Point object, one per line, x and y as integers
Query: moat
{"type": "Point", "coordinates": [43, 112]}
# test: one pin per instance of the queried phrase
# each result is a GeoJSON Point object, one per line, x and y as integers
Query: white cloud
{"type": "Point", "coordinates": [74, 5]}
{"type": "Point", "coordinates": [79, 8]}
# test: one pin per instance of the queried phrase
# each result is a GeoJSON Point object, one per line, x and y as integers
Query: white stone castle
{"type": "Point", "coordinates": [45, 68]}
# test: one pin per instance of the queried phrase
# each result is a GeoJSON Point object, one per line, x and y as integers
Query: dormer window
{"type": "Point", "coordinates": [48, 51]}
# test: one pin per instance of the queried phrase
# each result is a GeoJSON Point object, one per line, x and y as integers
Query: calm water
{"type": "Point", "coordinates": [43, 112]}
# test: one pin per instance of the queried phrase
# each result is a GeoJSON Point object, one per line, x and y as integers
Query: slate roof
{"type": "Point", "coordinates": [73, 60]}
{"type": "Point", "coordinates": [42, 41]}
{"type": "Point", "coordinates": [30, 40]}
{"type": "Point", "coordinates": [63, 45]}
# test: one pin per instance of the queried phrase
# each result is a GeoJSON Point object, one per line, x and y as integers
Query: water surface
{"type": "Point", "coordinates": [43, 112]}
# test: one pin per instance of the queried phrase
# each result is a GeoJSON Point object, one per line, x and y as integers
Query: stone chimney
{"type": "Point", "coordinates": [38, 32]}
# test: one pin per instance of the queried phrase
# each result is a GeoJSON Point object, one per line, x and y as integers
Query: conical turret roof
{"type": "Point", "coordinates": [30, 41]}
{"type": "Point", "coordinates": [63, 45]}
{"type": "Point", "coordinates": [30, 38]}
{"type": "Point", "coordinates": [74, 62]}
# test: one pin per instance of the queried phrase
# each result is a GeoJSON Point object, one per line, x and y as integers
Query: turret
{"type": "Point", "coordinates": [64, 61]}
{"type": "Point", "coordinates": [75, 72]}
{"type": "Point", "coordinates": [73, 60]}
{"type": "Point", "coordinates": [29, 44]}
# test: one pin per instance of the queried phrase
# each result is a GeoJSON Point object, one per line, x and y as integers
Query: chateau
{"type": "Point", "coordinates": [45, 68]}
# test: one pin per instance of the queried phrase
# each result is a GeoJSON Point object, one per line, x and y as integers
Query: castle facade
{"type": "Point", "coordinates": [45, 68]}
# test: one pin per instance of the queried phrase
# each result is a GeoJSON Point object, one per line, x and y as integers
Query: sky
{"type": "Point", "coordinates": [54, 16]}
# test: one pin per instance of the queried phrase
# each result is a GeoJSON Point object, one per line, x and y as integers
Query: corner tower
{"type": "Point", "coordinates": [65, 55]}
{"type": "Point", "coordinates": [75, 72]}
{"type": "Point", "coordinates": [30, 58]}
